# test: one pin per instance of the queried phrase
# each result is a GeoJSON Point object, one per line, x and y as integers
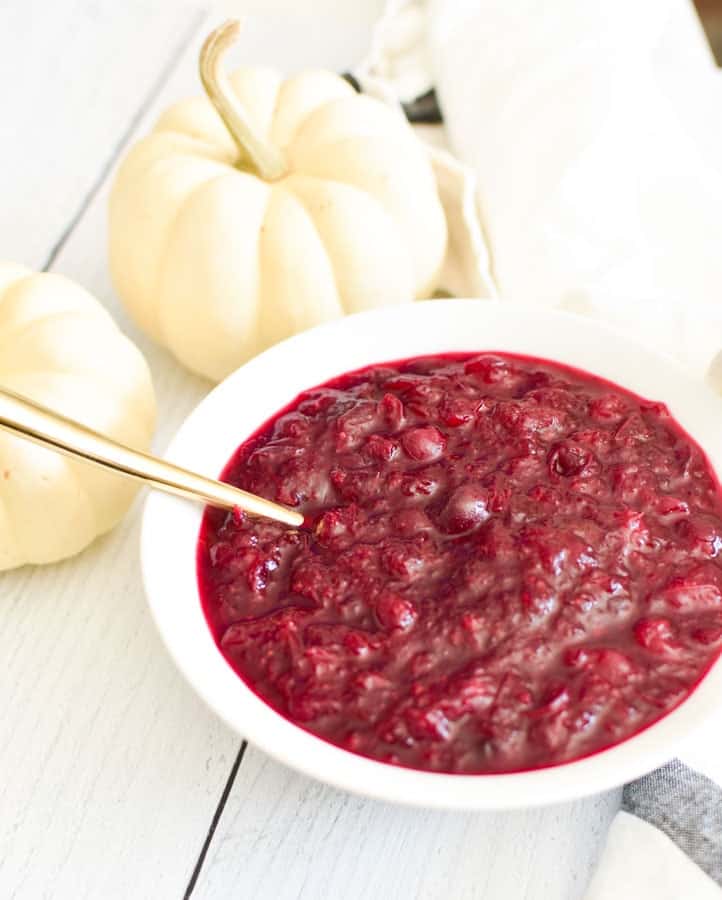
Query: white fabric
{"type": "Point", "coordinates": [585, 174]}
{"type": "Point", "coordinates": [640, 862]}
{"type": "Point", "coordinates": [593, 132]}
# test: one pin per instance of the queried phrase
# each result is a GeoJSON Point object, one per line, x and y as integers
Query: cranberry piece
{"type": "Point", "coordinates": [422, 484]}
{"type": "Point", "coordinates": [402, 560]}
{"type": "Point", "coordinates": [682, 594]}
{"type": "Point", "coordinates": [354, 425]}
{"type": "Point", "coordinates": [633, 430]}
{"type": "Point", "coordinates": [711, 634]}
{"type": "Point", "coordinates": [429, 724]}
{"type": "Point", "coordinates": [321, 662]}
{"type": "Point", "coordinates": [704, 535]}
{"type": "Point", "coordinates": [542, 422]}
{"type": "Point", "coordinates": [411, 521]}
{"type": "Point", "coordinates": [424, 444]}
{"type": "Point", "coordinates": [606, 662]}
{"type": "Point", "coordinates": [551, 733]}
{"type": "Point", "coordinates": [372, 681]}
{"type": "Point", "coordinates": [356, 486]}
{"type": "Point", "coordinates": [466, 508]}
{"type": "Point", "coordinates": [359, 644]}
{"type": "Point", "coordinates": [221, 553]}
{"type": "Point", "coordinates": [609, 408]}
{"type": "Point", "coordinates": [568, 459]}
{"type": "Point", "coordinates": [338, 522]}
{"type": "Point", "coordinates": [279, 626]}
{"type": "Point", "coordinates": [492, 370]}
{"type": "Point", "coordinates": [671, 508]}
{"type": "Point", "coordinates": [293, 425]}
{"type": "Point", "coordinates": [319, 583]}
{"type": "Point", "coordinates": [421, 664]}
{"type": "Point", "coordinates": [316, 402]}
{"type": "Point", "coordinates": [558, 398]}
{"type": "Point", "coordinates": [598, 441]}
{"type": "Point", "coordinates": [307, 707]}
{"type": "Point", "coordinates": [382, 448]}
{"type": "Point", "coordinates": [556, 698]}
{"type": "Point", "coordinates": [395, 611]}
{"type": "Point", "coordinates": [391, 410]}
{"type": "Point", "coordinates": [634, 484]}
{"type": "Point", "coordinates": [538, 598]}
{"type": "Point", "coordinates": [495, 543]}
{"type": "Point", "coordinates": [509, 416]}
{"type": "Point", "coordinates": [273, 456]}
{"type": "Point", "coordinates": [655, 635]}
{"type": "Point", "coordinates": [456, 412]}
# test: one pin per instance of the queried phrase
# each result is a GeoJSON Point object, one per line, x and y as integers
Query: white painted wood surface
{"type": "Point", "coordinates": [74, 75]}
{"type": "Point", "coordinates": [283, 836]}
{"type": "Point", "coordinates": [112, 773]}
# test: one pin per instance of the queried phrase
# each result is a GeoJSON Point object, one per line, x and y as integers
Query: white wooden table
{"type": "Point", "coordinates": [115, 780]}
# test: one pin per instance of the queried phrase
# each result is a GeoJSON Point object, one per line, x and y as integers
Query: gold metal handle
{"type": "Point", "coordinates": [27, 419]}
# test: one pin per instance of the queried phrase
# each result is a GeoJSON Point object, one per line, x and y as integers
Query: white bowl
{"type": "Point", "coordinates": [251, 395]}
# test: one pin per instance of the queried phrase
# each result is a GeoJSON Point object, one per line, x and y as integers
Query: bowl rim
{"type": "Point", "coordinates": [205, 442]}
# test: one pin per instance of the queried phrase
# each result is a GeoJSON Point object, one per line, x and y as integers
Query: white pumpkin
{"type": "Point", "coordinates": [60, 348]}
{"type": "Point", "coordinates": [268, 208]}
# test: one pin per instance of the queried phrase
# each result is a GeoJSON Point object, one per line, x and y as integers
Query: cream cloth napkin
{"type": "Point", "coordinates": [590, 136]}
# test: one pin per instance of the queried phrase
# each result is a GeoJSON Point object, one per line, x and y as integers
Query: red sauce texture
{"type": "Point", "coordinates": [507, 564]}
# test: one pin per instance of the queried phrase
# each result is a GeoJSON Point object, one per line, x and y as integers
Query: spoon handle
{"type": "Point", "coordinates": [24, 418]}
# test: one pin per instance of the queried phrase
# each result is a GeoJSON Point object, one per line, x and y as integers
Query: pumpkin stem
{"type": "Point", "coordinates": [256, 153]}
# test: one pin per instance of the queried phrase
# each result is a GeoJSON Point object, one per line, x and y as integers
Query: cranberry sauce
{"type": "Point", "coordinates": [509, 564]}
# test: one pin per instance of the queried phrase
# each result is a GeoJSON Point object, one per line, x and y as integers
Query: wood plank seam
{"type": "Point", "coordinates": [214, 821]}
{"type": "Point", "coordinates": [106, 168]}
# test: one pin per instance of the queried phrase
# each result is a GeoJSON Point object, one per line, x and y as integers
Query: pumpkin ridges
{"type": "Point", "coordinates": [106, 493]}
{"type": "Point", "coordinates": [61, 348]}
{"type": "Point", "coordinates": [110, 379]}
{"type": "Point", "coordinates": [25, 300]}
{"type": "Point", "coordinates": [52, 516]}
{"type": "Point", "coordinates": [69, 326]}
{"type": "Point", "coordinates": [228, 281]}
{"type": "Point", "coordinates": [18, 333]}
{"type": "Point", "coordinates": [356, 117]}
{"type": "Point", "coordinates": [95, 403]}
{"type": "Point", "coordinates": [142, 215]}
{"type": "Point", "coordinates": [371, 264]}
{"type": "Point", "coordinates": [195, 120]}
{"type": "Point", "coordinates": [299, 97]}
{"type": "Point", "coordinates": [371, 166]}
{"type": "Point", "coordinates": [298, 287]}
{"type": "Point", "coordinates": [102, 496]}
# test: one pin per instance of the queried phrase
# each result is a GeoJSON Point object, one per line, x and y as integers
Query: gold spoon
{"type": "Point", "coordinates": [27, 419]}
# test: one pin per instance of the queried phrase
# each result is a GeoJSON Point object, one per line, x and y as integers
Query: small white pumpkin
{"type": "Point", "coordinates": [269, 207]}
{"type": "Point", "coordinates": [59, 347]}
